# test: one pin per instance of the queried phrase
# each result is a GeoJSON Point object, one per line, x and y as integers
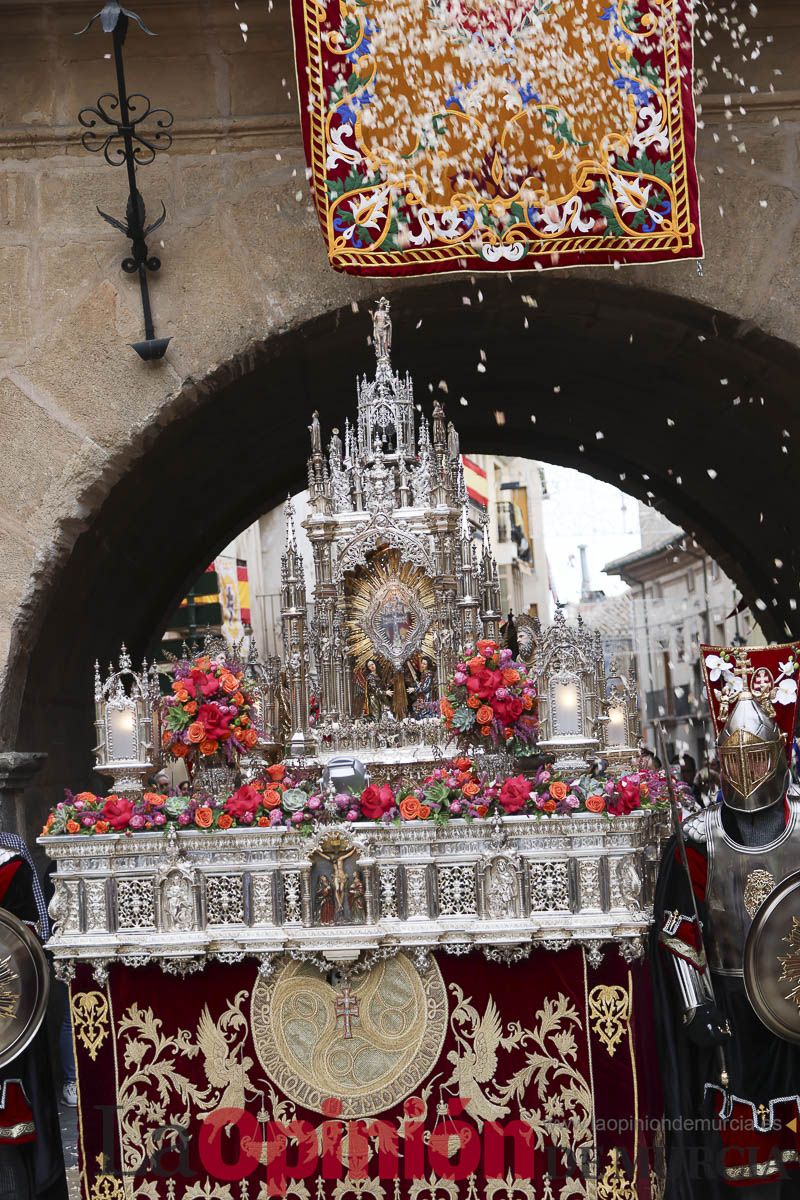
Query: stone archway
{"type": "Point", "coordinates": [656, 376]}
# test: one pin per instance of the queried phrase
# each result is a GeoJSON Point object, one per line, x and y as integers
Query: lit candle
{"type": "Point", "coordinates": [615, 732]}
{"type": "Point", "coordinates": [122, 734]}
{"type": "Point", "coordinates": [565, 698]}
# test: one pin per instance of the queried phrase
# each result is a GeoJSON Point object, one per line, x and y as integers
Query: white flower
{"type": "Point", "coordinates": [716, 667]}
{"type": "Point", "coordinates": [787, 691]}
{"type": "Point", "coordinates": [787, 668]}
{"type": "Point", "coordinates": [368, 212]}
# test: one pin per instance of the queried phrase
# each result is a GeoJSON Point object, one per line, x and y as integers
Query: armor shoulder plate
{"type": "Point", "coordinates": [695, 829]}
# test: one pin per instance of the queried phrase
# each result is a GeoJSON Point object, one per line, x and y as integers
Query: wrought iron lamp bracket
{"type": "Point", "coordinates": [115, 127]}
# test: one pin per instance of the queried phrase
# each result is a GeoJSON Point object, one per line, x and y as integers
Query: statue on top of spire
{"type": "Point", "coordinates": [382, 329]}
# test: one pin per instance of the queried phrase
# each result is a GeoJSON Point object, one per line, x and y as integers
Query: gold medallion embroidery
{"type": "Point", "coordinates": [609, 1013]}
{"type": "Point", "coordinates": [90, 1020]}
{"type": "Point", "coordinates": [370, 1050]}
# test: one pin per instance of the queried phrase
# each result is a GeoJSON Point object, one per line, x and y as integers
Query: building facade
{"type": "Point", "coordinates": [679, 599]}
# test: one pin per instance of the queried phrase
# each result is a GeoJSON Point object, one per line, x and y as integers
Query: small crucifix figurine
{"type": "Point", "coordinates": [347, 1009]}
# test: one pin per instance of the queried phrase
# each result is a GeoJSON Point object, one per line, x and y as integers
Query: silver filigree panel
{"type": "Point", "coordinates": [549, 886]}
{"type": "Point", "coordinates": [225, 899]}
{"type": "Point", "coordinates": [457, 891]}
{"type": "Point", "coordinates": [136, 907]}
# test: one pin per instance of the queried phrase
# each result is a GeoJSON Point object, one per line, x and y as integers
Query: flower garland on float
{"type": "Point", "coordinates": [282, 799]}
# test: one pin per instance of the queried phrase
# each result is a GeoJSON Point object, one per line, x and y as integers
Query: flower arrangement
{"type": "Point", "coordinates": [281, 799]}
{"type": "Point", "coordinates": [491, 698]}
{"type": "Point", "coordinates": [209, 712]}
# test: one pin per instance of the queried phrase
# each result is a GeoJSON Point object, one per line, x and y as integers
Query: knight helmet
{"type": "Point", "coordinates": [752, 756]}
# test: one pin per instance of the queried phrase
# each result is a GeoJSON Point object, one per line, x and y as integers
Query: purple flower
{"type": "Point", "coordinates": [137, 821]}
{"type": "Point", "coordinates": [352, 815]}
{"type": "Point", "coordinates": [462, 667]}
{"type": "Point", "coordinates": [88, 821]}
{"type": "Point", "coordinates": [247, 819]}
{"type": "Point", "coordinates": [298, 818]}
{"type": "Point", "coordinates": [314, 803]}
{"type": "Point", "coordinates": [459, 679]}
{"type": "Point", "coordinates": [159, 819]}
{"type": "Point", "coordinates": [184, 818]}
{"type": "Point", "coordinates": [275, 817]}
{"type": "Point", "coordinates": [502, 693]}
{"type": "Point", "coordinates": [455, 807]}
{"type": "Point", "coordinates": [343, 801]}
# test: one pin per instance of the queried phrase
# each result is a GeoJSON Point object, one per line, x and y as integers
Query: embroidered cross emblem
{"type": "Point", "coordinates": [347, 1009]}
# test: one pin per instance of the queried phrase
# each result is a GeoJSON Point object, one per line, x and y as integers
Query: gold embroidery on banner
{"type": "Point", "coordinates": [614, 1184]}
{"type": "Point", "coordinates": [562, 171]}
{"type": "Point", "coordinates": [90, 1020]}
{"type": "Point", "coordinates": [564, 1113]}
{"type": "Point", "coordinates": [757, 887]}
{"type": "Point", "coordinates": [394, 1044]}
{"type": "Point", "coordinates": [151, 1088]}
{"type": "Point", "coordinates": [208, 1191]}
{"type": "Point", "coordinates": [609, 1012]}
{"type": "Point", "coordinates": [357, 1188]}
{"type": "Point", "coordinates": [433, 1188]}
{"type": "Point", "coordinates": [510, 1188]}
{"type": "Point", "coordinates": [107, 1187]}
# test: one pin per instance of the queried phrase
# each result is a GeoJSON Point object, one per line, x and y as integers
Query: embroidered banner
{"type": "Point", "coordinates": [445, 1080]}
{"type": "Point", "coordinates": [473, 135]}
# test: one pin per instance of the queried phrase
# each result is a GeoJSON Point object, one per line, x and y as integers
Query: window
{"type": "Point", "coordinates": [690, 581]}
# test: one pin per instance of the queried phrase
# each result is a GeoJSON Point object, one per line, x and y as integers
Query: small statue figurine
{"type": "Point", "coordinates": [382, 329]}
{"type": "Point", "coordinates": [326, 913]}
{"type": "Point", "coordinates": [316, 434]}
{"type": "Point", "coordinates": [358, 898]}
{"type": "Point", "coordinates": [373, 692]}
{"type": "Point", "coordinates": [423, 689]}
{"type": "Point", "coordinates": [335, 448]}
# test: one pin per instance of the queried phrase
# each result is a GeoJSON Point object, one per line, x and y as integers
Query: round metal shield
{"type": "Point", "coordinates": [772, 960]}
{"type": "Point", "coordinates": [24, 986]}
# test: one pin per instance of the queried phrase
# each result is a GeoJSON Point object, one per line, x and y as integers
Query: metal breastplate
{"type": "Point", "coordinates": [739, 879]}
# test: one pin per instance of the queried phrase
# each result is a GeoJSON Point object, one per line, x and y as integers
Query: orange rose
{"type": "Point", "coordinates": [154, 799]}
{"type": "Point", "coordinates": [471, 788]}
{"type": "Point", "coordinates": [203, 817]}
{"type": "Point", "coordinates": [86, 797]}
{"type": "Point", "coordinates": [101, 827]}
{"type": "Point", "coordinates": [424, 812]}
{"type": "Point", "coordinates": [486, 647]}
{"type": "Point", "coordinates": [276, 772]}
{"type": "Point", "coordinates": [203, 663]}
{"type": "Point", "coordinates": [510, 675]}
{"type": "Point", "coordinates": [410, 808]}
{"type": "Point", "coordinates": [271, 798]}
{"type": "Point", "coordinates": [166, 738]}
{"type": "Point", "coordinates": [558, 790]}
{"type": "Point", "coordinates": [209, 746]}
{"type": "Point", "coordinates": [191, 707]}
{"type": "Point", "coordinates": [549, 806]}
{"type": "Point", "coordinates": [484, 715]}
{"type": "Point", "coordinates": [486, 730]}
{"type": "Point", "coordinates": [73, 827]}
{"type": "Point", "coordinates": [262, 821]}
{"type": "Point", "coordinates": [48, 825]}
{"type": "Point", "coordinates": [481, 809]}
{"type": "Point", "coordinates": [476, 664]}
{"type": "Point", "coordinates": [177, 686]}
{"type": "Point", "coordinates": [180, 750]}
{"type": "Point", "coordinates": [237, 699]}
{"type": "Point", "coordinates": [595, 804]}
{"type": "Point", "coordinates": [473, 701]}
{"type": "Point", "coordinates": [644, 790]}
{"type": "Point", "coordinates": [527, 703]}
{"type": "Point", "coordinates": [462, 764]}
{"type": "Point", "coordinates": [224, 821]}
{"type": "Point", "coordinates": [196, 731]}
{"type": "Point", "coordinates": [446, 708]}
{"type": "Point", "coordinates": [229, 682]}
{"type": "Point", "coordinates": [248, 737]}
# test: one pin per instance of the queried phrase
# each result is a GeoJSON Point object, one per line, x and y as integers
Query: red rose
{"type": "Point", "coordinates": [514, 794]}
{"type": "Point", "coordinates": [118, 811]}
{"type": "Point", "coordinates": [626, 798]}
{"type": "Point", "coordinates": [484, 684]}
{"type": "Point", "coordinates": [213, 721]}
{"type": "Point", "coordinates": [245, 800]}
{"type": "Point", "coordinates": [376, 801]}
